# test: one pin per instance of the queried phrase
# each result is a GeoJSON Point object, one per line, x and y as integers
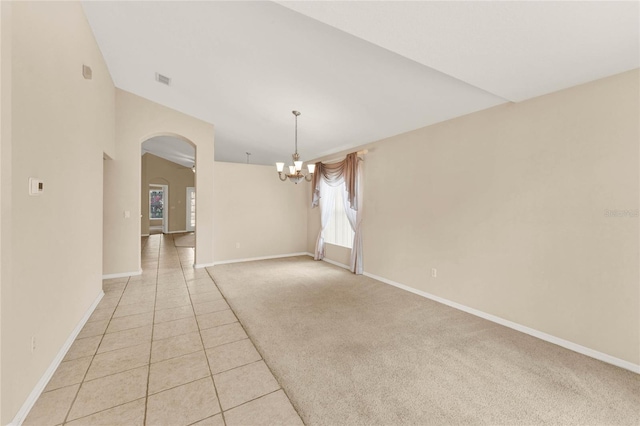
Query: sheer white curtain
{"type": "Point", "coordinates": [327, 205]}
{"type": "Point", "coordinates": [355, 220]}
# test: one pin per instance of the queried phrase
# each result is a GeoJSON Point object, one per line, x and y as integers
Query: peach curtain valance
{"type": "Point", "coordinates": [334, 174]}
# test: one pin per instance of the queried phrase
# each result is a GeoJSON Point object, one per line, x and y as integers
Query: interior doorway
{"type": "Point", "coordinates": [158, 214]}
{"type": "Point", "coordinates": [168, 196]}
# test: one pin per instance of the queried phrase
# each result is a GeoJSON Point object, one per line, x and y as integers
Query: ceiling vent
{"type": "Point", "coordinates": [163, 79]}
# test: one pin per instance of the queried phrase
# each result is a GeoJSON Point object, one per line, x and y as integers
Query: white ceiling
{"type": "Point", "coordinates": [514, 49]}
{"type": "Point", "coordinates": [358, 71]}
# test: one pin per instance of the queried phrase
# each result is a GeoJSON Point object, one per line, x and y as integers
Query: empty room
{"type": "Point", "coordinates": [319, 213]}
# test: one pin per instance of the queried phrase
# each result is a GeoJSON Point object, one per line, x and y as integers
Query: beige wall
{"type": "Point", "coordinates": [138, 119]}
{"type": "Point", "coordinates": [5, 181]}
{"type": "Point", "coordinates": [509, 205]}
{"type": "Point", "coordinates": [254, 208]}
{"type": "Point", "coordinates": [156, 170]}
{"type": "Point", "coordinates": [60, 126]}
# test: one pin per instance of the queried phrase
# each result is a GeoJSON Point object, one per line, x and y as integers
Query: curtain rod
{"type": "Point", "coordinates": [336, 159]}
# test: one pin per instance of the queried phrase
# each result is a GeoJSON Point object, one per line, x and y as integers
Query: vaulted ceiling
{"type": "Point", "coordinates": [358, 71]}
{"type": "Point", "coordinates": [170, 148]}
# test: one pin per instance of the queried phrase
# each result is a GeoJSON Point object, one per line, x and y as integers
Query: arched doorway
{"type": "Point", "coordinates": [138, 120]}
{"type": "Point", "coordinates": [168, 192]}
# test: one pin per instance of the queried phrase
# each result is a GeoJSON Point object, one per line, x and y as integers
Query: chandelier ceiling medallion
{"type": "Point", "coordinates": [295, 174]}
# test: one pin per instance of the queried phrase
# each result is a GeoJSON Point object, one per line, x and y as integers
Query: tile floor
{"type": "Point", "coordinates": [163, 348]}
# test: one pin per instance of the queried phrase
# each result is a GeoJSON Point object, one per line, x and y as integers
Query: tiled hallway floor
{"type": "Point", "coordinates": [163, 348]}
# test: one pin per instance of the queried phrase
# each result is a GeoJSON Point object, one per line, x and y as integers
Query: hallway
{"type": "Point", "coordinates": [163, 348]}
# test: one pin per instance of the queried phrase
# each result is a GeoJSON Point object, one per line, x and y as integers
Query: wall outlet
{"type": "Point", "coordinates": [434, 272]}
{"type": "Point", "coordinates": [33, 344]}
{"type": "Point", "coordinates": [237, 245]}
{"type": "Point", "coordinates": [36, 186]}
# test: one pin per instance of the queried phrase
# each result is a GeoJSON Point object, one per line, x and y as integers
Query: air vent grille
{"type": "Point", "coordinates": [163, 79]}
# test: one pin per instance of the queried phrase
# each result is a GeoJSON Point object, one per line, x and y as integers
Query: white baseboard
{"type": "Point", "coordinates": [44, 380]}
{"type": "Point", "coordinates": [518, 327]}
{"type": "Point", "coordinates": [203, 265]}
{"type": "Point", "coordinates": [333, 262]}
{"type": "Point", "coordinates": [251, 259]}
{"type": "Point", "coordinates": [122, 274]}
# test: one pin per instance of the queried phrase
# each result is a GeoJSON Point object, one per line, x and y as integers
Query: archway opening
{"type": "Point", "coordinates": [168, 192]}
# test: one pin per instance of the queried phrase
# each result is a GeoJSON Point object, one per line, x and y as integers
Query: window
{"type": "Point", "coordinates": [191, 208]}
{"type": "Point", "coordinates": [156, 203]}
{"type": "Point", "coordinates": [338, 230]}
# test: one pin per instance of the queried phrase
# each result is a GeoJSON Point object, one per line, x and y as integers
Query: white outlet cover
{"type": "Point", "coordinates": [36, 186]}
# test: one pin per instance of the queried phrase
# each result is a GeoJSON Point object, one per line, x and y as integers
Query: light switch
{"type": "Point", "coordinates": [127, 214]}
{"type": "Point", "coordinates": [36, 186]}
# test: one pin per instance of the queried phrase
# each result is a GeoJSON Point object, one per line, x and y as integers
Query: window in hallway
{"type": "Point", "coordinates": [156, 203]}
{"type": "Point", "coordinates": [191, 208]}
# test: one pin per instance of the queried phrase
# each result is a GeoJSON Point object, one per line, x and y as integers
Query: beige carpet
{"type": "Point", "coordinates": [350, 350]}
{"type": "Point", "coordinates": [185, 240]}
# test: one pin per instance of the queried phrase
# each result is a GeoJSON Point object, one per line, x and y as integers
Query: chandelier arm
{"type": "Point", "coordinates": [280, 176]}
{"type": "Point", "coordinates": [309, 177]}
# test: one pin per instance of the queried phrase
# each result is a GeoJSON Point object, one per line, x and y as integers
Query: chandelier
{"type": "Point", "coordinates": [295, 174]}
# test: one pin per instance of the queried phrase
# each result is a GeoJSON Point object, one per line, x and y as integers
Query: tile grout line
{"type": "Point", "coordinates": [206, 418]}
{"type": "Point", "coordinates": [191, 353]}
{"type": "Point", "coordinates": [183, 307]}
{"type": "Point", "coordinates": [227, 343]}
{"type": "Point", "coordinates": [125, 329]}
{"type": "Point", "coordinates": [155, 296]}
{"type": "Point", "coordinates": [256, 398]}
{"type": "Point", "coordinates": [66, 417]}
{"type": "Point", "coordinates": [116, 373]}
{"type": "Point", "coordinates": [180, 385]}
{"type": "Point", "coordinates": [105, 409]}
{"type": "Point", "coordinates": [135, 368]}
{"type": "Point", "coordinates": [256, 347]}
{"type": "Point", "coordinates": [215, 388]}
{"type": "Point", "coordinates": [244, 365]}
